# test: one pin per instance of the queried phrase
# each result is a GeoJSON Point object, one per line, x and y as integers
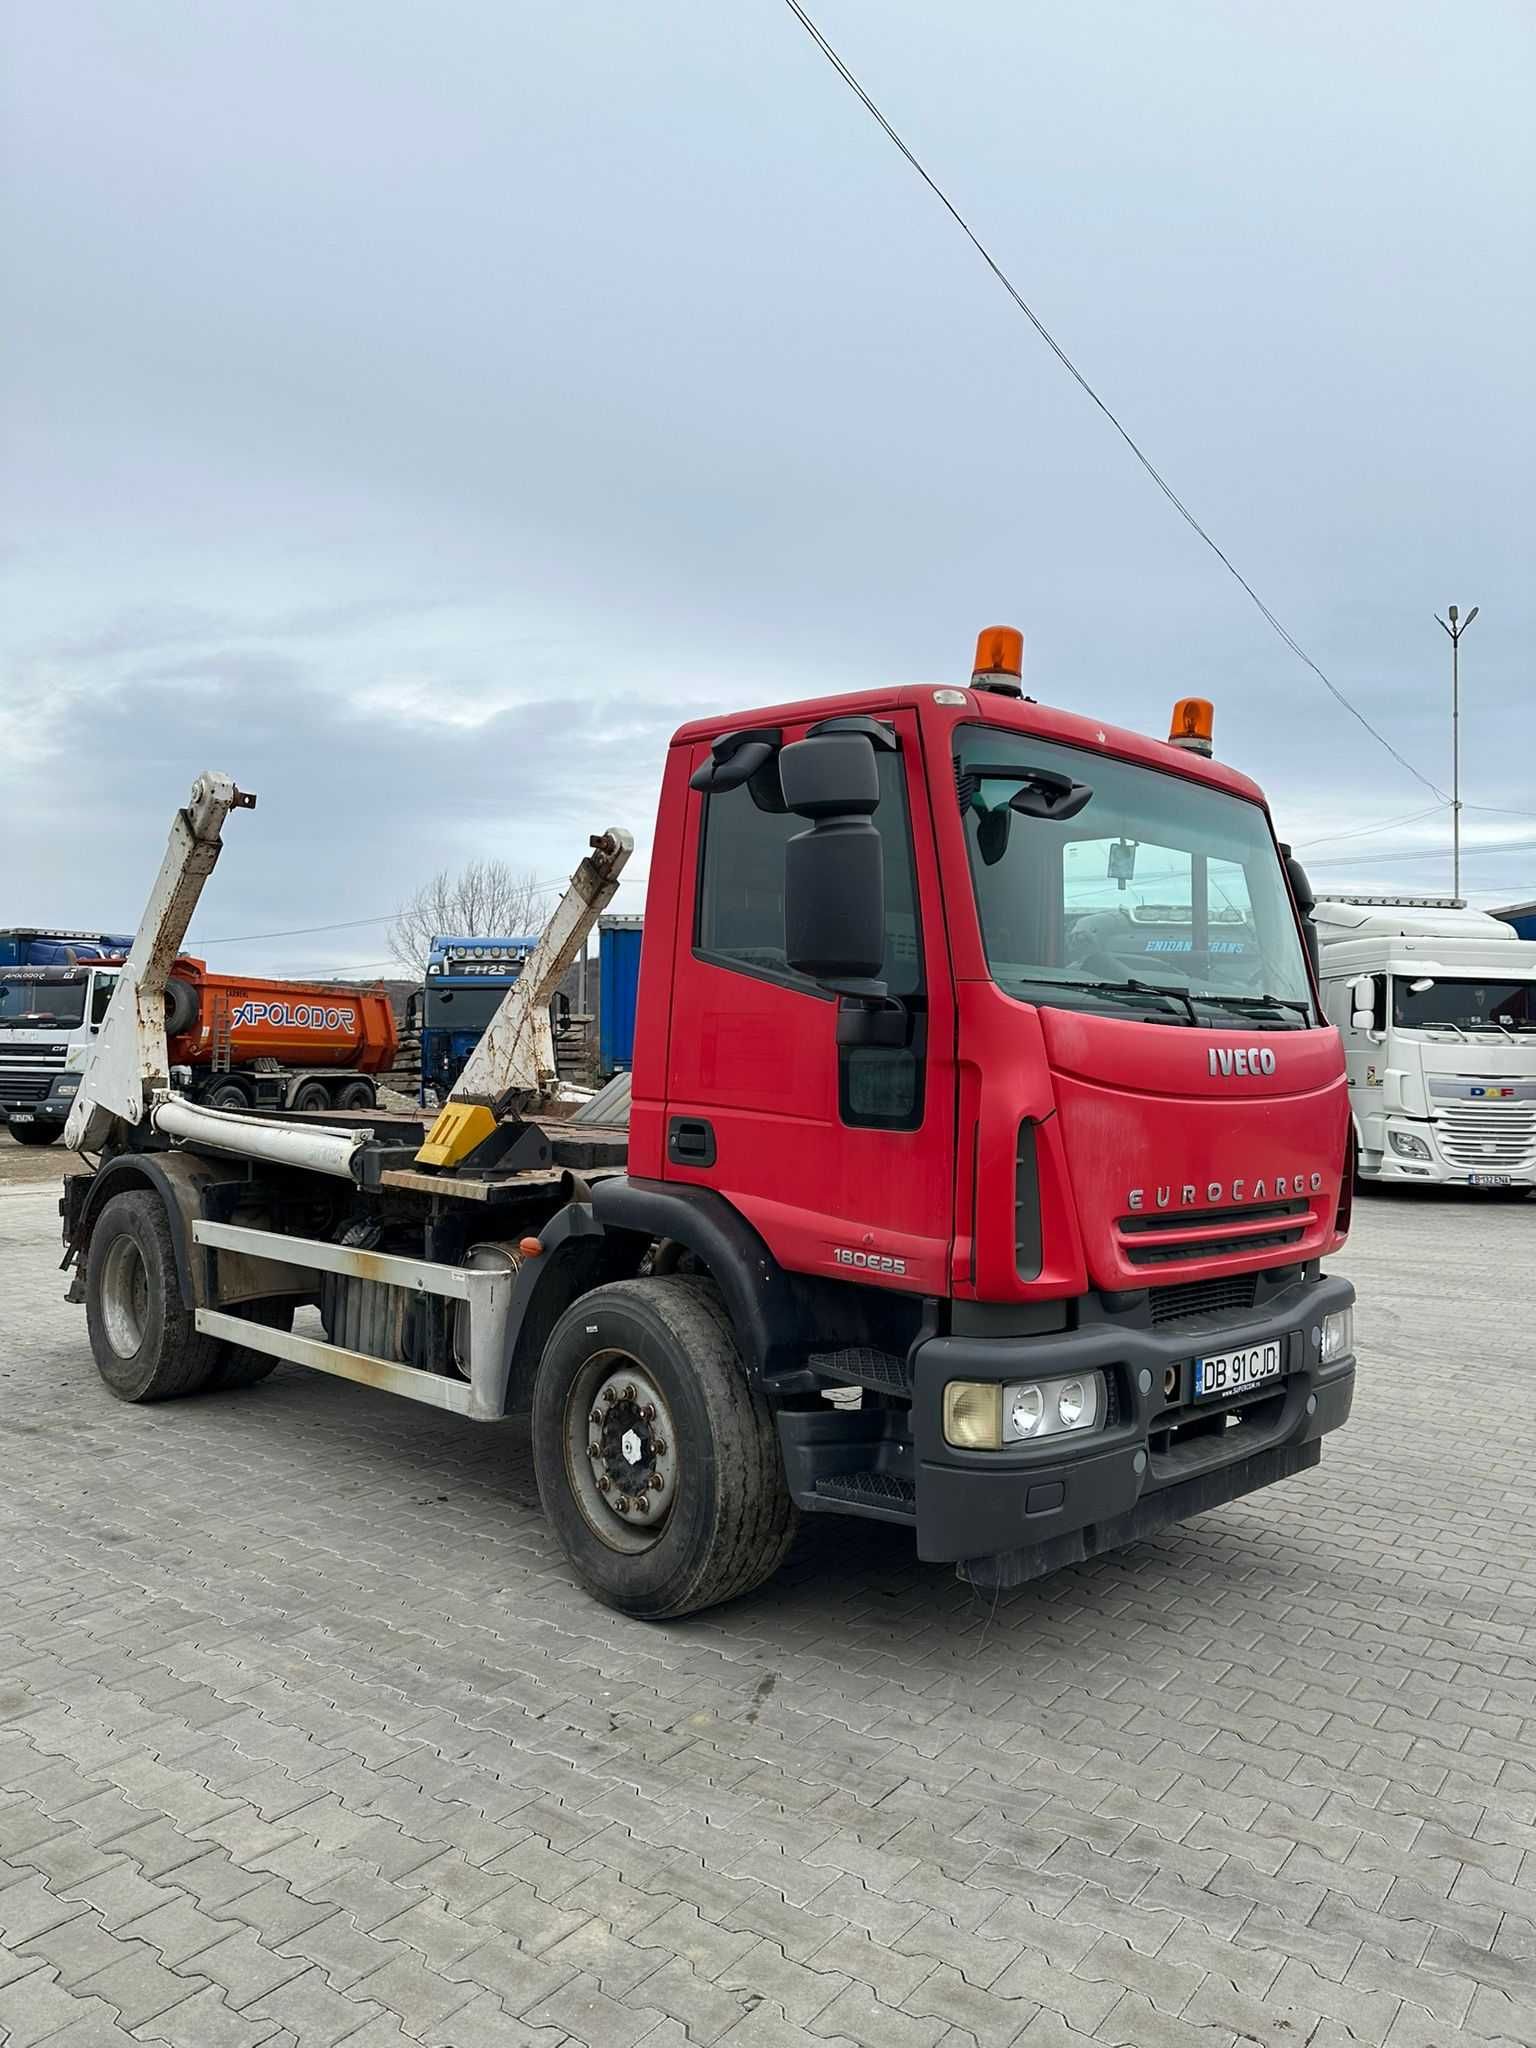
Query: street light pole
{"type": "Point", "coordinates": [1455, 629]}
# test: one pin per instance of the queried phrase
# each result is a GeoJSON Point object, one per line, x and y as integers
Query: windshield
{"type": "Point", "coordinates": [42, 998]}
{"type": "Point", "coordinates": [1496, 1006]}
{"type": "Point", "coordinates": [1149, 896]}
{"type": "Point", "coordinates": [462, 1009]}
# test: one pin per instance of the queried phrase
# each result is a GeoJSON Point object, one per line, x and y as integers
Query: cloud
{"type": "Point", "coordinates": [421, 434]}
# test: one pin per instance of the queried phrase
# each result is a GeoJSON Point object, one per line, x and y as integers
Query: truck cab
{"type": "Point", "coordinates": [465, 981]}
{"type": "Point", "coordinates": [49, 1017]}
{"type": "Point", "coordinates": [1436, 1007]}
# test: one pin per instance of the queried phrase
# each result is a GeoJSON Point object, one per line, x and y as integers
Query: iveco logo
{"type": "Point", "coordinates": [1242, 1059]}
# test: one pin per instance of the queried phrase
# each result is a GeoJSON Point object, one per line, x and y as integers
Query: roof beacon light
{"type": "Point", "coordinates": [999, 661]}
{"type": "Point", "coordinates": [1191, 725]}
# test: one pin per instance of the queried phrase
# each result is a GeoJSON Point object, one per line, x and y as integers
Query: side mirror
{"type": "Point", "coordinates": [1361, 1020]}
{"type": "Point", "coordinates": [834, 874]}
{"type": "Point", "coordinates": [1306, 902]}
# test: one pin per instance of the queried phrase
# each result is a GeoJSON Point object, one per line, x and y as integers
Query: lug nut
{"type": "Point", "coordinates": [594, 1450]}
{"type": "Point", "coordinates": [648, 1412]}
{"type": "Point", "coordinates": [596, 1418]}
{"type": "Point", "coordinates": [609, 1396]}
{"type": "Point", "coordinates": [629, 1393]}
{"type": "Point", "coordinates": [604, 1484]}
{"type": "Point", "coordinates": [658, 1447]}
{"type": "Point", "coordinates": [622, 1503]}
{"type": "Point", "coordinates": [657, 1482]}
{"type": "Point", "coordinates": [642, 1505]}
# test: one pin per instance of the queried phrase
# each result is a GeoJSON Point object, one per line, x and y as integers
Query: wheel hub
{"type": "Point", "coordinates": [623, 1453]}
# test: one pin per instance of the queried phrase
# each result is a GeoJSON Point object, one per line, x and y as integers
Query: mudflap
{"type": "Point", "coordinates": [1153, 1511]}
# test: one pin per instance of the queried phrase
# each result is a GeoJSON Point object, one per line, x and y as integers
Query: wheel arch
{"type": "Point", "coordinates": [176, 1177]}
{"type": "Point", "coordinates": [765, 1303]}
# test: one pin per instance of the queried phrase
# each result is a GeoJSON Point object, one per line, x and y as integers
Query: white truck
{"type": "Point", "coordinates": [1436, 1005]}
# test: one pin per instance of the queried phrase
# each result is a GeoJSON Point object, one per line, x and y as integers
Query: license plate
{"type": "Point", "coordinates": [1234, 1372]}
{"type": "Point", "coordinates": [1488, 1180]}
{"type": "Point", "coordinates": [20, 1116]}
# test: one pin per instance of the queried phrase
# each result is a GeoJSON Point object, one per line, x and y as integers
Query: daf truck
{"type": "Point", "coordinates": [1436, 1006]}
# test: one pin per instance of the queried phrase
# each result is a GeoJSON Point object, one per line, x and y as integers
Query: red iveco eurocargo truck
{"type": "Point", "coordinates": [980, 1082]}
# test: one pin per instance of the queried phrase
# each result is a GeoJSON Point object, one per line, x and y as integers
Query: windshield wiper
{"type": "Point", "coordinates": [1303, 1010]}
{"type": "Point", "coordinates": [1116, 988]}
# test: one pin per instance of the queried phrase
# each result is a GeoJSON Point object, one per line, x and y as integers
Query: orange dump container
{"type": "Point", "coordinates": [295, 1023]}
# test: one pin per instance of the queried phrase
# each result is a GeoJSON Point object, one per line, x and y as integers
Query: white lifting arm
{"type": "Point", "coordinates": [516, 1052]}
{"type": "Point", "coordinates": [129, 1069]}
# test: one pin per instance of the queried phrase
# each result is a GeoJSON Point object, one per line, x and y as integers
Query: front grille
{"type": "Point", "coordinates": [1488, 1134]}
{"type": "Point", "coordinates": [1194, 1219]}
{"type": "Point", "coordinates": [1228, 1296]}
{"type": "Point", "coordinates": [1214, 1247]}
{"type": "Point", "coordinates": [25, 1087]}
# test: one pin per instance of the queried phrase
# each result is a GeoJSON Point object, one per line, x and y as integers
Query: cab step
{"type": "Point", "coordinates": [884, 1495]}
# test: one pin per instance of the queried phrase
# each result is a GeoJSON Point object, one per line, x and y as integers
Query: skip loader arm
{"type": "Point", "coordinates": [513, 1066]}
{"type": "Point", "coordinates": [129, 1070]}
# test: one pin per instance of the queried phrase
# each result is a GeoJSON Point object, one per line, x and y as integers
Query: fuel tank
{"type": "Point", "coordinates": [295, 1023]}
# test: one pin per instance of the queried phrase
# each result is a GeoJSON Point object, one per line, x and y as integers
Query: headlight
{"type": "Point", "coordinates": [66, 1084]}
{"type": "Point", "coordinates": [1338, 1335]}
{"type": "Point", "coordinates": [1407, 1146]}
{"type": "Point", "coordinates": [980, 1415]}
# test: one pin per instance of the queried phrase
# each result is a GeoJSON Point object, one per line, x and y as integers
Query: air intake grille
{"type": "Point", "coordinates": [1214, 1247]}
{"type": "Point", "coordinates": [24, 1087]}
{"type": "Point", "coordinates": [1204, 1298]}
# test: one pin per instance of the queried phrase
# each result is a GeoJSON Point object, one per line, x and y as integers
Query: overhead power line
{"type": "Point", "coordinates": [1077, 376]}
{"type": "Point", "coordinates": [301, 931]}
{"type": "Point", "coordinates": [1365, 831]}
{"type": "Point", "coordinates": [1365, 860]}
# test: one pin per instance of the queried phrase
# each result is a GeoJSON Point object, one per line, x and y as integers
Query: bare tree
{"type": "Point", "coordinates": [484, 900]}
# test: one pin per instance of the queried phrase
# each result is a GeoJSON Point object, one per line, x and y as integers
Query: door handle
{"type": "Point", "coordinates": [691, 1141]}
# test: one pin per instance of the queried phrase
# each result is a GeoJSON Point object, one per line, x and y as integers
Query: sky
{"type": "Point", "coordinates": [418, 412]}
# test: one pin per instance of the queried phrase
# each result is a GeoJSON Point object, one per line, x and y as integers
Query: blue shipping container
{"type": "Point", "coordinates": [618, 958]}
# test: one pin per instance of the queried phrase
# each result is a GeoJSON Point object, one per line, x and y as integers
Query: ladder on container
{"type": "Point", "coordinates": [221, 1033]}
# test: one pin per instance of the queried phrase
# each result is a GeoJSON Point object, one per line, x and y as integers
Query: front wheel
{"type": "Point", "coordinates": [35, 1134]}
{"type": "Point", "coordinates": [657, 1460]}
{"type": "Point", "coordinates": [146, 1345]}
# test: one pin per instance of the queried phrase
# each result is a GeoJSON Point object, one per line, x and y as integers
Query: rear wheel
{"type": "Point", "coordinates": [311, 1095]}
{"type": "Point", "coordinates": [146, 1345]}
{"type": "Point", "coordinates": [356, 1095]}
{"type": "Point", "coordinates": [230, 1093]}
{"type": "Point", "coordinates": [35, 1134]}
{"type": "Point", "coordinates": [236, 1366]}
{"type": "Point", "coordinates": [657, 1460]}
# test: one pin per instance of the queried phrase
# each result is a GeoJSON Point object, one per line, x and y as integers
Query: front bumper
{"type": "Point", "coordinates": [1439, 1169]}
{"type": "Point", "coordinates": [53, 1109]}
{"type": "Point", "coordinates": [1004, 1516]}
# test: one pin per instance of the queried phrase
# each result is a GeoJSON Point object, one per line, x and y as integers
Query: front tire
{"type": "Point", "coordinates": [146, 1345]}
{"type": "Point", "coordinates": [35, 1134]}
{"type": "Point", "coordinates": [642, 1381]}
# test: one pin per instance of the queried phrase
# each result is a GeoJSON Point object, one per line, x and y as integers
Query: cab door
{"type": "Point", "coordinates": [841, 1157]}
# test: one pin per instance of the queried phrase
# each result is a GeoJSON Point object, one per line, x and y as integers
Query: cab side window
{"type": "Point", "coordinates": [740, 919]}
{"type": "Point", "coordinates": [740, 924]}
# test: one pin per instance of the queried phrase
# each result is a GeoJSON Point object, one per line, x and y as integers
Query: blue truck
{"type": "Point", "coordinates": [467, 977]}
{"type": "Point", "coordinates": [465, 981]}
{"type": "Point", "coordinates": [29, 946]}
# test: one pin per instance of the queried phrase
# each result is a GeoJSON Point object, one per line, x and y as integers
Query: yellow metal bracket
{"type": "Point", "coordinates": [459, 1128]}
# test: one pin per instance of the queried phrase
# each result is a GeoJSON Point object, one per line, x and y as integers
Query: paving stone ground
{"type": "Point", "coordinates": [306, 1737]}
